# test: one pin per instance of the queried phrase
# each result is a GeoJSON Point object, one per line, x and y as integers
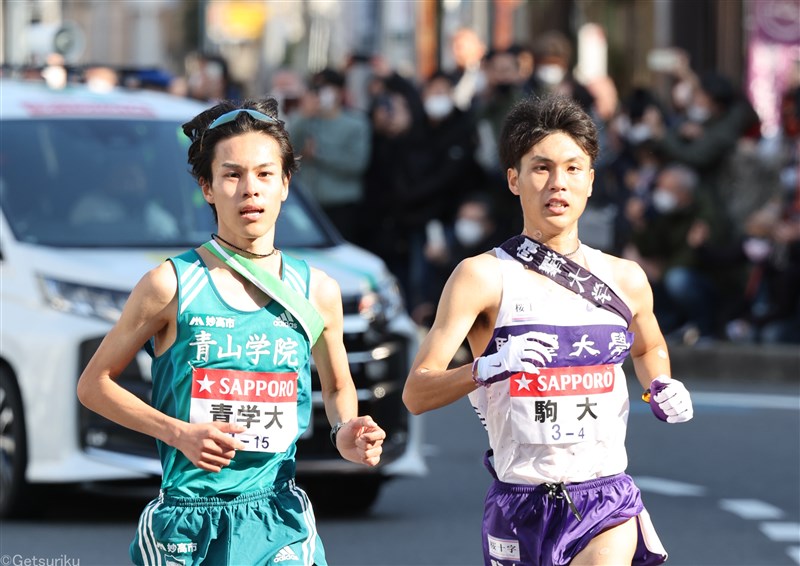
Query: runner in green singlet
{"type": "Point", "coordinates": [232, 326]}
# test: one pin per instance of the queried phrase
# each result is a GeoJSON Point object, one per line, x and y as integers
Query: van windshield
{"type": "Point", "coordinates": [117, 183]}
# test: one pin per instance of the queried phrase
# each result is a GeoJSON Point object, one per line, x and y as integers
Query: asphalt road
{"type": "Point", "coordinates": [723, 489]}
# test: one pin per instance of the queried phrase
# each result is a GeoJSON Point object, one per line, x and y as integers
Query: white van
{"type": "Point", "coordinates": [95, 191]}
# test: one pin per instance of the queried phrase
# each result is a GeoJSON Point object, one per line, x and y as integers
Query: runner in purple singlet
{"type": "Point", "coordinates": [550, 322]}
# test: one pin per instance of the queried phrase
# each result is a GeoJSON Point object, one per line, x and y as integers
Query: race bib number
{"type": "Point", "coordinates": [265, 403]}
{"type": "Point", "coordinates": [561, 405]}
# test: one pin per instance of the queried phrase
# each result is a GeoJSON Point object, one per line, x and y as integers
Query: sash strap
{"type": "Point", "coordinates": [548, 262]}
{"type": "Point", "coordinates": [298, 305]}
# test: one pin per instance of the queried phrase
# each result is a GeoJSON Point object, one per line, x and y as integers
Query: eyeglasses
{"type": "Point", "coordinates": [233, 114]}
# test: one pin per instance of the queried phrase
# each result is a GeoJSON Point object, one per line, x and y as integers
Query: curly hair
{"type": "Point", "coordinates": [532, 119]}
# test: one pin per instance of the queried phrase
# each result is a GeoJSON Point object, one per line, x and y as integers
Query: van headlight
{"type": "Point", "coordinates": [83, 300]}
{"type": "Point", "coordinates": [383, 303]}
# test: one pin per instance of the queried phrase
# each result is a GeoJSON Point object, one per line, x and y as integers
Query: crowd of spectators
{"type": "Point", "coordinates": [709, 208]}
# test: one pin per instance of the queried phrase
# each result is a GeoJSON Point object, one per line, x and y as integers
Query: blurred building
{"type": "Point", "coordinates": [754, 41]}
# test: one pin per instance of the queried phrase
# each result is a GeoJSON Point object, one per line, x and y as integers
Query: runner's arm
{"type": "Point", "coordinates": [473, 287]}
{"type": "Point", "coordinates": [148, 312]}
{"type": "Point", "coordinates": [361, 439]}
{"type": "Point", "coordinates": [649, 350]}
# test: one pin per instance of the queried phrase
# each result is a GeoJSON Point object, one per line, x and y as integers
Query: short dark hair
{"type": "Point", "coordinates": [553, 44]}
{"type": "Point", "coordinates": [204, 140]}
{"type": "Point", "coordinates": [532, 119]}
{"type": "Point", "coordinates": [440, 73]}
{"type": "Point", "coordinates": [327, 77]}
{"type": "Point", "coordinates": [719, 88]}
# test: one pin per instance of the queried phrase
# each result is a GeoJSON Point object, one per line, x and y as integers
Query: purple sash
{"type": "Point", "coordinates": [545, 261]}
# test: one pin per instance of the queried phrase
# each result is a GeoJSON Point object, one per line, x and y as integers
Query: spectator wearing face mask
{"type": "Point", "coordinates": [717, 119]}
{"type": "Point", "coordinates": [670, 239]}
{"type": "Point", "coordinates": [287, 87]}
{"type": "Point", "coordinates": [474, 230]}
{"type": "Point", "coordinates": [503, 89]}
{"type": "Point", "coordinates": [633, 171]}
{"type": "Point", "coordinates": [441, 168]}
{"type": "Point", "coordinates": [771, 304]}
{"type": "Point", "coordinates": [396, 116]}
{"type": "Point", "coordinates": [208, 78]}
{"type": "Point", "coordinates": [101, 78]}
{"type": "Point", "coordinates": [334, 144]}
{"type": "Point", "coordinates": [552, 70]}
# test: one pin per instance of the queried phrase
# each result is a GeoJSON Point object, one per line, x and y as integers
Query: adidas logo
{"type": "Point", "coordinates": [285, 554]}
{"type": "Point", "coordinates": [285, 320]}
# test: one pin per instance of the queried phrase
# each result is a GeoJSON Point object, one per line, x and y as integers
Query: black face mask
{"type": "Point", "coordinates": [503, 88]}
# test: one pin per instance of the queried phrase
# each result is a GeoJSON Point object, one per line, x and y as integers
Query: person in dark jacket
{"type": "Point", "coordinates": [442, 167]}
{"type": "Point", "coordinates": [717, 118]}
{"type": "Point", "coordinates": [397, 117]}
{"type": "Point", "coordinates": [670, 240]}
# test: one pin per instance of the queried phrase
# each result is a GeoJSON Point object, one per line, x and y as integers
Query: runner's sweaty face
{"type": "Point", "coordinates": [554, 182]}
{"type": "Point", "coordinates": [247, 187]}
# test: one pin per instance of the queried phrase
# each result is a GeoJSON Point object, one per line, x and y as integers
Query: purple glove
{"type": "Point", "coordinates": [669, 400]}
{"type": "Point", "coordinates": [519, 354]}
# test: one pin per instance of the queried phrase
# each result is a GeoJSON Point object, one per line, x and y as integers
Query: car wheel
{"type": "Point", "coordinates": [13, 447]}
{"type": "Point", "coordinates": [343, 495]}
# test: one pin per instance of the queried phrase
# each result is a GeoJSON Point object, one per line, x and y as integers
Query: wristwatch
{"type": "Point", "coordinates": [334, 430]}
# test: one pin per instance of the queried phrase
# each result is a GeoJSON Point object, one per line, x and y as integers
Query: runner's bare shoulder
{"type": "Point", "coordinates": [325, 293]}
{"type": "Point", "coordinates": [476, 276]}
{"type": "Point", "coordinates": [629, 276]}
{"type": "Point", "coordinates": [157, 291]}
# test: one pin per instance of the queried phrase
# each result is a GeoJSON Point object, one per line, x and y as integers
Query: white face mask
{"type": "Point", "coordinates": [551, 74]}
{"type": "Point", "coordinates": [468, 231]}
{"type": "Point", "coordinates": [664, 201]}
{"type": "Point", "coordinates": [438, 106]}
{"type": "Point", "coordinates": [99, 85]}
{"type": "Point", "coordinates": [327, 98]}
{"type": "Point", "coordinates": [639, 133]}
{"type": "Point", "coordinates": [698, 114]}
{"type": "Point", "coordinates": [55, 76]}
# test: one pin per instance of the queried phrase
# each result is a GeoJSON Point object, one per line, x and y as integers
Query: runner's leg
{"type": "Point", "coordinates": [612, 547]}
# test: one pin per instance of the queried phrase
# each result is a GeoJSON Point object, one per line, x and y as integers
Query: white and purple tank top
{"type": "Point", "coordinates": [567, 422]}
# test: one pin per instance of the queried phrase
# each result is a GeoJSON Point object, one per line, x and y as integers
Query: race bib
{"type": "Point", "coordinates": [562, 405]}
{"type": "Point", "coordinates": [265, 403]}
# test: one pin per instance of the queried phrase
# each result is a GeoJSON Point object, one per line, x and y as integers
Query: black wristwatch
{"type": "Point", "coordinates": [334, 430]}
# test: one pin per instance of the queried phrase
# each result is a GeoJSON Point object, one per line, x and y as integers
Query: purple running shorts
{"type": "Point", "coordinates": [548, 524]}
